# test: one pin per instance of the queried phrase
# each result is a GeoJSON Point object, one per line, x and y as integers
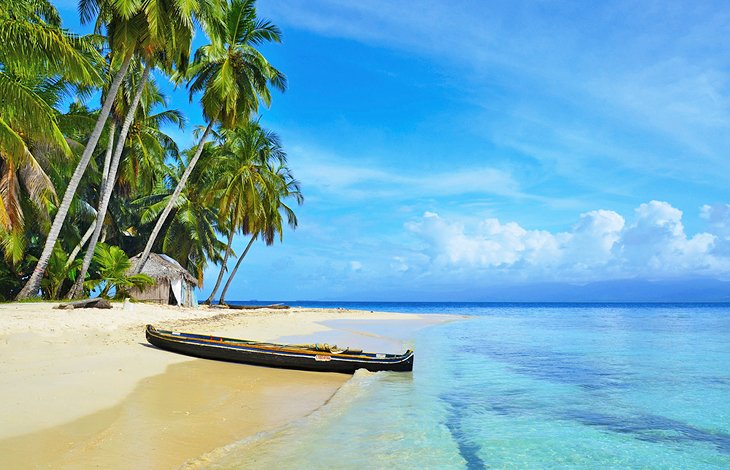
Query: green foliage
{"type": "Point", "coordinates": [112, 266]}
{"type": "Point", "coordinates": [9, 282]}
{"type": "Point", "coordinates": [231, 73]}
{"type": "Point", "coordinates": [240, 188]}
{"type": "Point", "coordinates": [38, 62]}
{"type": "Point", "coordinates": [57, 273]}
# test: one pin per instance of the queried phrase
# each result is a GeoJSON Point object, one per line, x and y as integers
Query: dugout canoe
{"type": "Point", "coordinates": [287, 356]}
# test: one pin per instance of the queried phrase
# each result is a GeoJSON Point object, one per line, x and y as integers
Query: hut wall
{"type": "Point", "coordinates": [189, 294]}
{"type": "Point", "coordinates": [159, 292]}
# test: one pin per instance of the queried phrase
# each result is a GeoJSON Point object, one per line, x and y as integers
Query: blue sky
{"type": "Point", "coordinates": [445, 148]}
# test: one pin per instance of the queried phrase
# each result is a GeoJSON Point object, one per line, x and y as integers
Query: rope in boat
{"type": "Point", "coordinates": [324, 347]}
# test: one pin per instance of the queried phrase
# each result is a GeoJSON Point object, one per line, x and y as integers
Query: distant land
{"type": "Point", "coordinates": [627, 290]}
{"type": "Point", "coordinates": [691, 290]}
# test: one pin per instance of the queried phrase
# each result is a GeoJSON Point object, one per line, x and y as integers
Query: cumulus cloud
{"type": "Point", "coordinates": [600, 245]}
{"type": "Point", "coordinates": [593, 238]}
{"type": "Point", "coordinates": [490, 243]}
{"type": "Point", "coordinates": [656, 242]}
{"type": "Point", "coordinates": [718, 223]}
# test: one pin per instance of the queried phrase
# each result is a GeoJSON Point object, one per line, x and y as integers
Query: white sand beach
{"type": "Point", "coordinates": [82, 387]}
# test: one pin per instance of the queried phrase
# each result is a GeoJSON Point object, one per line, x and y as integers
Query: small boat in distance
{"type": "Point", "coordinates": [312, 357]}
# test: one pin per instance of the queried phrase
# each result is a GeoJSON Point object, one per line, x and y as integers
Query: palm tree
{"type": "Point", "coordinates": [222, 300]}
{"type": "Point", "coordinates": [280, 186]}
{"type": "Point", "coordinates": [169, 32]}
{"type": "Point", "coordinates": [148, 148]}
{"type": "Point", "coordinates": [124, 30]}
{"type": "Point", "coordinates": [189, 236]}
{"type": "Point", "coordinates": [109, 177]}
{"type": "Point", "coordinates": [233, 77]}
{"type": "Point", "coordinates": [22, 175]}
{"type": "Point", "coordinates": [39, 62]}
{"type": "Point", "coordinates": [31, 40]}
{"type": "Point", "coordinates": [76, 125]}
{"type": "Point", "coordinates": [242, 163]}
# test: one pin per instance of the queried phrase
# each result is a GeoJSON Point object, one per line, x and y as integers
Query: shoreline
{"type": "Point", "coordinates": [71, 379]}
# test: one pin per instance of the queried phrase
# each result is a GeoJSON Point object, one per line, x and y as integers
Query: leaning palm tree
{"type": "Point", "coordinates": [233, 77]}
{"type": "Point", "coordinates": [280, 186]}
{"type": "Point", "coordinates": [124, 25]}
{"type": "Point", "coordinates": [168, 31]}
{"type": "Point", "coordinates": [244, 159]}
{"type": "Point", "coordinates": [142, 165]}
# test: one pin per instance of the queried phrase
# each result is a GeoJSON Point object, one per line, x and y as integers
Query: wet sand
{"type": "Point", "coordinates": [81, 388]}
{"type": "Point", "coordinates": [191, 408]}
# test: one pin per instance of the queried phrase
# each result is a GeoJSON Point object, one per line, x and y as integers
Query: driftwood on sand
{"type": "Point", "coordinates": [86, 303]}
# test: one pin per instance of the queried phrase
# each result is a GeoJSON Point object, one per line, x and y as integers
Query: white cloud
{"type": "Point", "coordinates": [656, 241]}
{"type": "Point", "coordinates": [718, 223]}
{"type": "Point", "coordinates": [490, 243]}
{"type": "Point", "coordinates": [601, 245]}
{"type": "Point", "coordinates": [592, 239]}
{"type": "Point", "coordinates": [355, 266]}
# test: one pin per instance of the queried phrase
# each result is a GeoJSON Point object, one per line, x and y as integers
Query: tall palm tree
{"type": "Point", "coordinates": [124, 26]}
{"type": "Point", "coordinates": [77, 124]}
{"type": "Point", "coordinates": [280, 186]}
{"type": "Point", "coordinates": [233, 77]}
{"type": "Point", "coordinates": [169, 26]}
{"type": "Point", "coordinates": [108, 179]}
{"type": "Point", "coordinates": [242, 165]}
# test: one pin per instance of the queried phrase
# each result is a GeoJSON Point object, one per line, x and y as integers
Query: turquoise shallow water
{"type": "Point", "coordinates": [528, 386]}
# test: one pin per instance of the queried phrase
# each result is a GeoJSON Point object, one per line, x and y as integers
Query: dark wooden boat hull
{"type": "Point", "coordinates": [275, 355]}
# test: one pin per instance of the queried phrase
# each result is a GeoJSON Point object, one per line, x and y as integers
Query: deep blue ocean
{"type": "Point", "coordinates": [526, 386]}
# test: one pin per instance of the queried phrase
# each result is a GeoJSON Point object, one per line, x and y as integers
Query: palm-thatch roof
{"type": "Point", "coordinates": [163, 267]}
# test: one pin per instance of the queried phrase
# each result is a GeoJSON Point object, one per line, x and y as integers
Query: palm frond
{"type": "Point", "coordinates": [37, 183]}
{"type": "Point", "coordinates": [25, 109]}
{"type": "Point", "coordinates": [50, 49]}
{"type": "Point", "coordinates": [10, 195]}
{"type": "Point", "coordinates": [12, 145]}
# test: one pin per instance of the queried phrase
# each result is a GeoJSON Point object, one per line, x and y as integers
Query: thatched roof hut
{"type": "Point", "coordinates": [173, 284]}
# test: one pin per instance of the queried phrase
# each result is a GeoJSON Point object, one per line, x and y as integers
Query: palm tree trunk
{"type": "Point", "coordinates": [80, 245]}
{"type": "Point", "coordinates": [222, 300]}
{"type": "Point", "coordinates": [90, 230]}
{"type": "Point", "coordinates": [31, 287]}
{"type": "Point", "coordinates": [223, 269]}
{"type": "Point", "coordinates": [171, 203]}
{"type": "Point", "coordinates": [107, 186]}
{"type": "Point", "coordinates": [108, 154]}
